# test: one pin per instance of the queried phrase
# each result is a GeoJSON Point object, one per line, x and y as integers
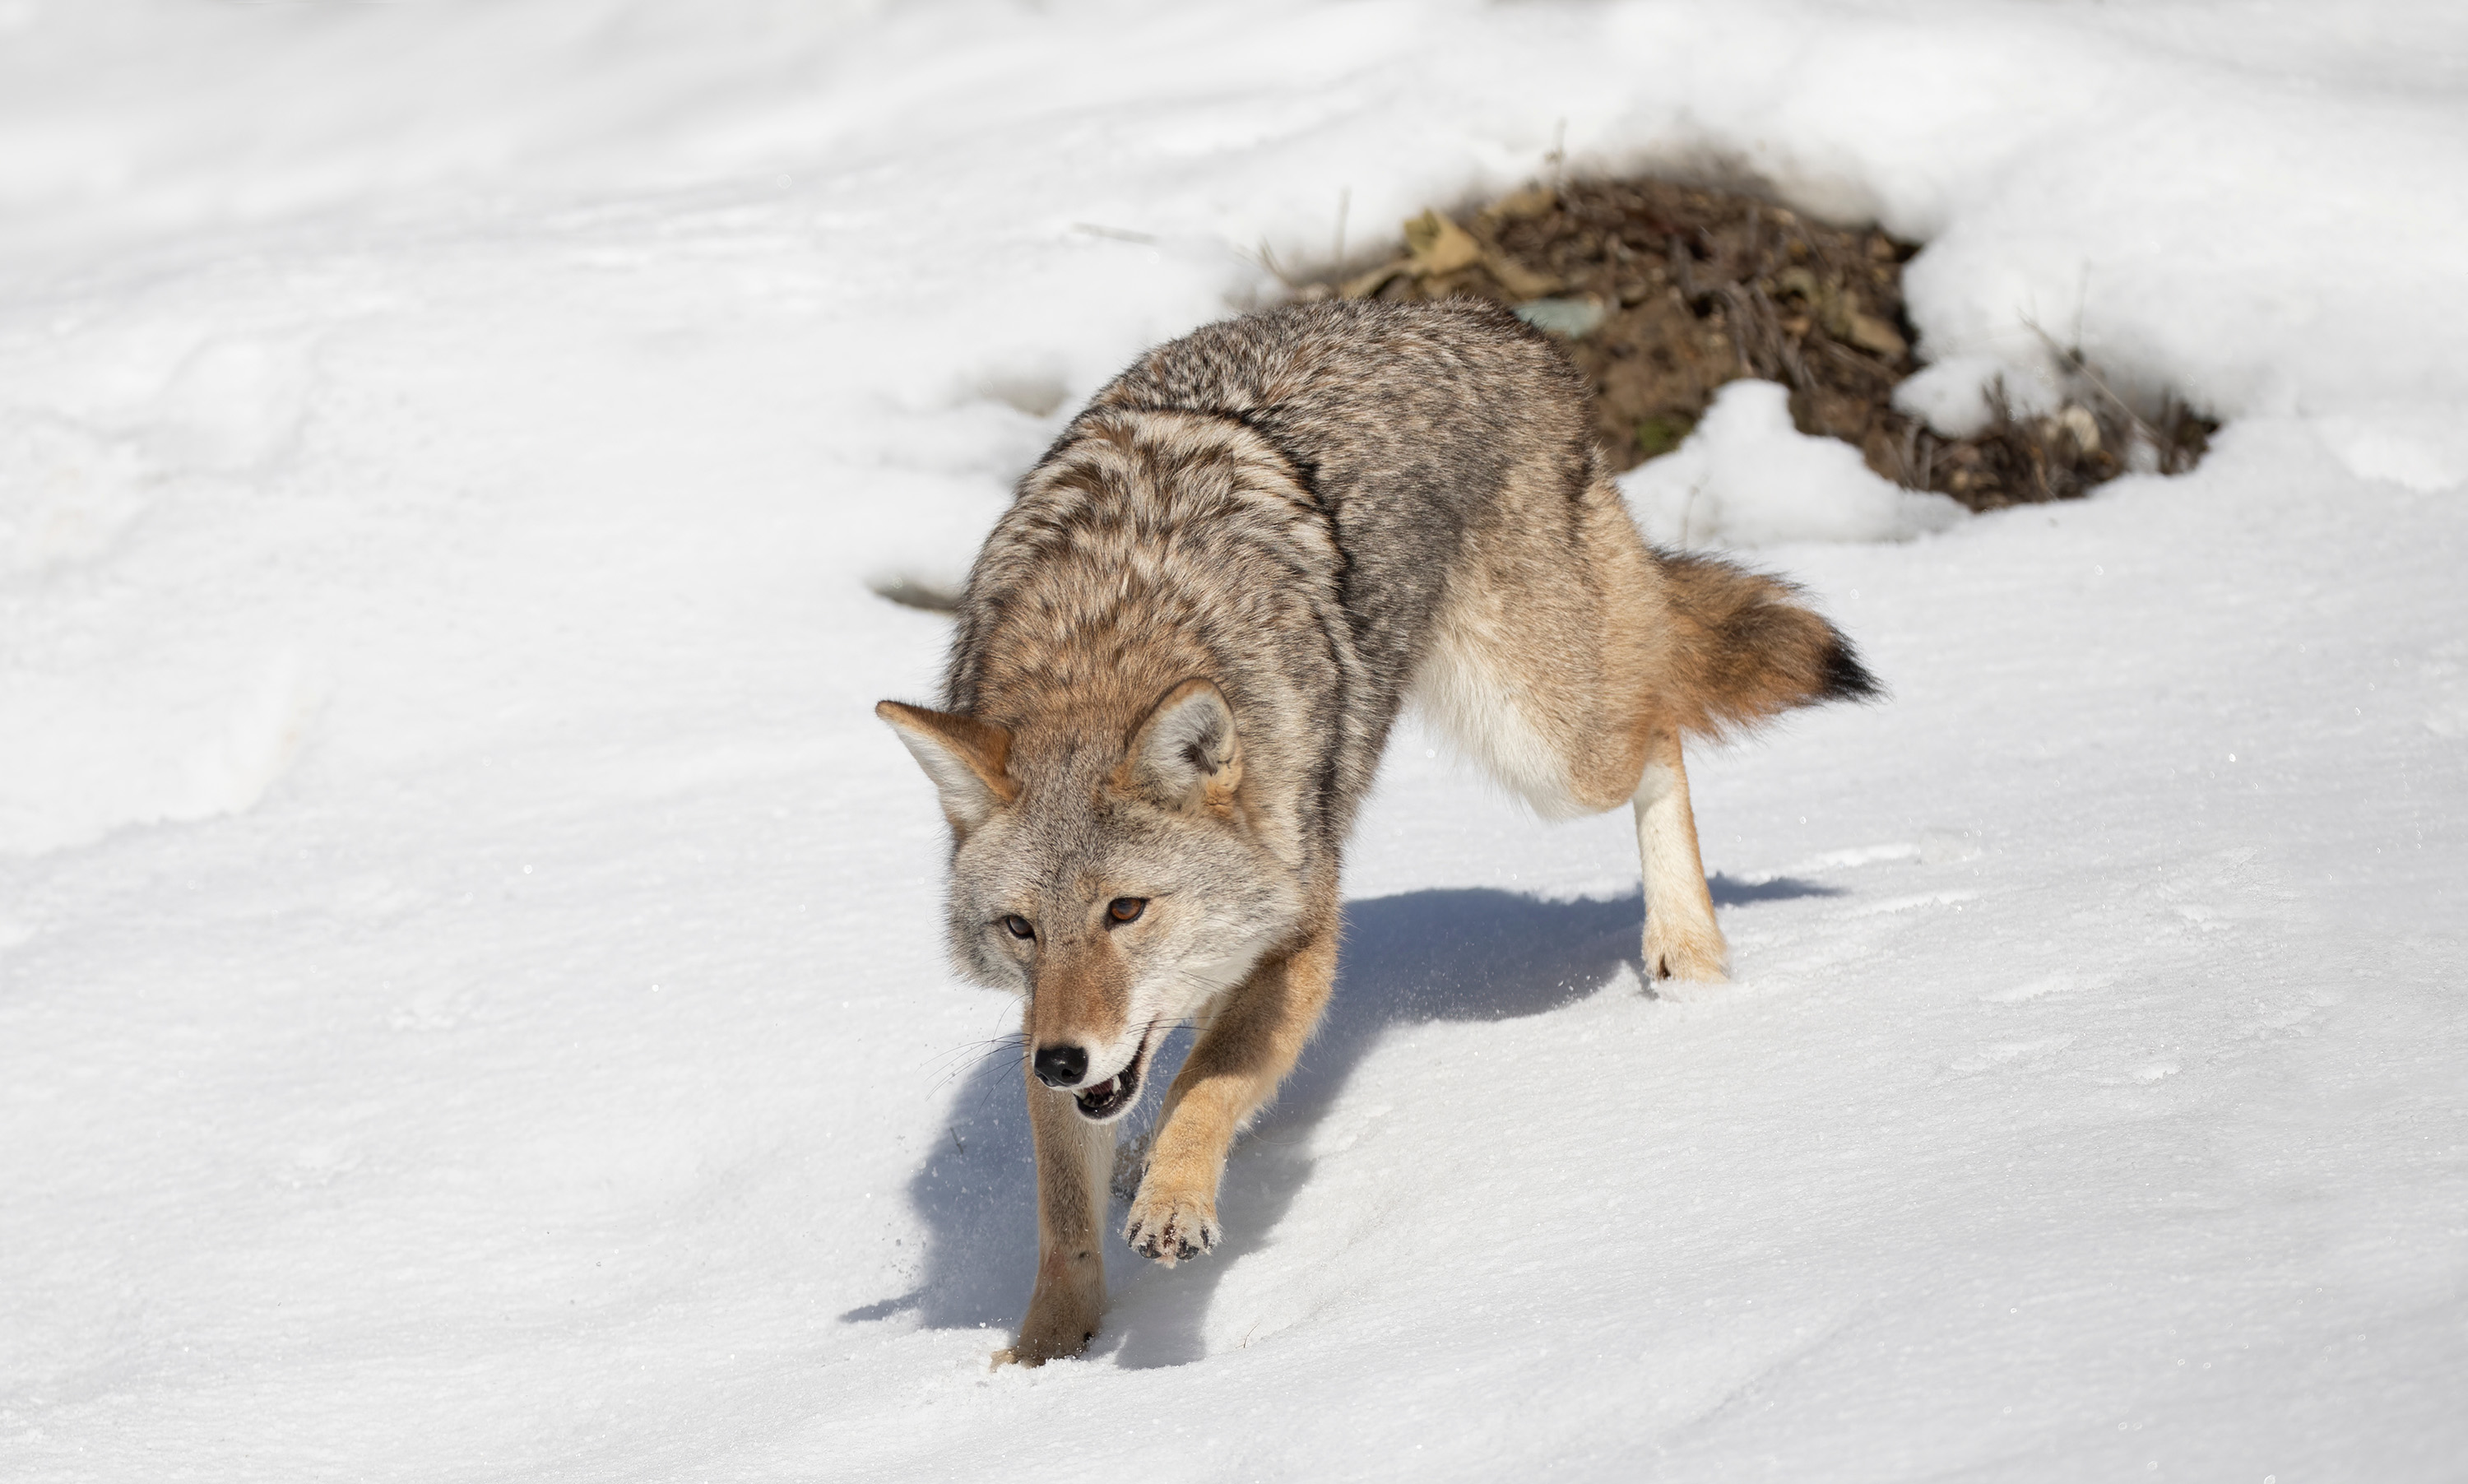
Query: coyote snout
{"type": "Point", "coordinates": [1080, 1038]}
{"type": "Point", "coordinates": [1178, 661]}
{"type": "Point", "coordinates": [1100, 1098]}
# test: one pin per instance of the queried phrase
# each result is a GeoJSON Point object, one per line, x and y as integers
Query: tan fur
{"type": "Point", "coordinates": [1074, 1158]}
{"type": "Point", "coordinates": [1680, 939]}
{"type": "Point", "coordinates": [1247, 1049]}
{"type": "Point", "coordinates": [1559, 681]}
{"type": "Point", "coordinates": [1178, 659]}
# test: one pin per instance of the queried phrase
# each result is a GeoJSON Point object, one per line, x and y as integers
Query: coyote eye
{"type": "Point", "coordinates": [1127, 909]}
{"type": "Point", "coordinates": [1019, 926]}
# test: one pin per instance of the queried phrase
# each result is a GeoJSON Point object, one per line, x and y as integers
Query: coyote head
{"type": "Point", "coordinates": [1117, 881]}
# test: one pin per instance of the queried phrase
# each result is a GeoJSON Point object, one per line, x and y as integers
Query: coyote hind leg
{"type": "Point", "coordinates": [1680, 939]}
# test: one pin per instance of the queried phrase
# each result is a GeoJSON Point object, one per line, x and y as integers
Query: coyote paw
{"type": "Point", "coordinates": [1703, 957]}
{"type": "Point", "coordinates": [1058, 1326]}
{"type": "Point", "coordinates": [1171, 1227]}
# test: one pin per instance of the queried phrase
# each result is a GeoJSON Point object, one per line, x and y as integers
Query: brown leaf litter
{"type": "Point", "coordinates": [1662, 292]}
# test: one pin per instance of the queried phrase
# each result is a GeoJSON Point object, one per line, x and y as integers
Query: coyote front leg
{"type": "Point", "coordinates": [1680, 939]}
{"type": "Point", "coordinates": [1074, 1158]}
{"type": "Point", "coordinates": [1233, 1070]}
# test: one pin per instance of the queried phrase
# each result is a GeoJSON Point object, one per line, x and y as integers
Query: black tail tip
{"type": "Point", "coordinates": [1846, 677]}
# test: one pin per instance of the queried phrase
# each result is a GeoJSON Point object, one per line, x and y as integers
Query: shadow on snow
{"type": "Point", "coordinates": [1467, 954]}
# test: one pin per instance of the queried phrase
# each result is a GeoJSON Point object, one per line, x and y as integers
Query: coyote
{"type": "Point", "coordinates": [1180, 652]}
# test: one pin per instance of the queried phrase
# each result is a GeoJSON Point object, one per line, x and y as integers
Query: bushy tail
{"type": "Point", "coordinates": [1744, 647]}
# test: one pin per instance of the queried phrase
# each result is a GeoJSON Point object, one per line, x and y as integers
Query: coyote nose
{"type": "Point", "coordinates": [1061, 1066]}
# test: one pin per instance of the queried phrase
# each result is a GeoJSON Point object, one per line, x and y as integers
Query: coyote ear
{"type": "Point", "coordinates": [964, 755]}
{"type": "Point", "coordinates": [1185, 755]}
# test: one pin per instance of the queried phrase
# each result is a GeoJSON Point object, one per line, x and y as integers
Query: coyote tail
{"type": "Point", "coordinates": [1745, 648]}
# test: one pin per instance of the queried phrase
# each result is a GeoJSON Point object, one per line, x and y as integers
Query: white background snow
{"type": "Point", "coordinates": [470, 995]}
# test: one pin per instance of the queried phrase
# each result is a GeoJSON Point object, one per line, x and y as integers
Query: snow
{"type": "Point", "coordinates": [470, 995]}
{"type": "Point", "coordinates": [1746, 478]}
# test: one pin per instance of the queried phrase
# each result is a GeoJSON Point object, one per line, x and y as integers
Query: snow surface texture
{"type": "Point", "coordinates": [470, 1002]}
{"type": "Point", "coordinates": [1746, 478]}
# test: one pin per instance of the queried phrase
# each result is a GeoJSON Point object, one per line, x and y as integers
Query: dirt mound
{"type": "Point", "coordinates": [1664, 292]}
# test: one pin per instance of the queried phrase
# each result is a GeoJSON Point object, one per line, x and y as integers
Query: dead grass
{"type": "Point", "coordinates": [1664, 292]}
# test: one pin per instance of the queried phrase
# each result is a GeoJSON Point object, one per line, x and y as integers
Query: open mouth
{"type": "Point", "coordinates": [1115, 1096]}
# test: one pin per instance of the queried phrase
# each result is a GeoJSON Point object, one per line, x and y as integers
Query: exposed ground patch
{"type": "Point", "coordinates": [1664, 292]}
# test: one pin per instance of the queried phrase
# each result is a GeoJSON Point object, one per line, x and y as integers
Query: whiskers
{"type": "Point", "coordinates": [970, 1058]}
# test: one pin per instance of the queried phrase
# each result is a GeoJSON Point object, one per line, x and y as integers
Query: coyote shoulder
{"type": "Point", "coordinates": [1179, 655]}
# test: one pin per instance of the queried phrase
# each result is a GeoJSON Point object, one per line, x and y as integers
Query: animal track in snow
{"type": "Point", "coordinates": [234, 404]}
{"type": "Point", "coordinates": [2046, 984]}
{"type": "Point", "coordinates": [1933, 847]}
{"type": "Point", "coordinates": [1988, 1056]}
{"type": "Point", "coordinates": [166, 745]}
{"type": "Point", "coordinates": [1927, 899]}
{"type": "Point", "coordinates": [66, 493]}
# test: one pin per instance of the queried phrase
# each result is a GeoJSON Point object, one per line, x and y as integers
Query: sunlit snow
{"type": "Point", "coordinates": [471, 1001]}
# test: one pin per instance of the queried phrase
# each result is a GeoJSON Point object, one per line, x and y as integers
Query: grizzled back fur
{"type": "Point", "coordinates": [1277, 502]}
{"type": "Point", "coordinates": [1328, 508]}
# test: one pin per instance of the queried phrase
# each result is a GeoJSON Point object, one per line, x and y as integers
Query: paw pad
{"type": "Point", "coordinates": [1170, 1237]}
